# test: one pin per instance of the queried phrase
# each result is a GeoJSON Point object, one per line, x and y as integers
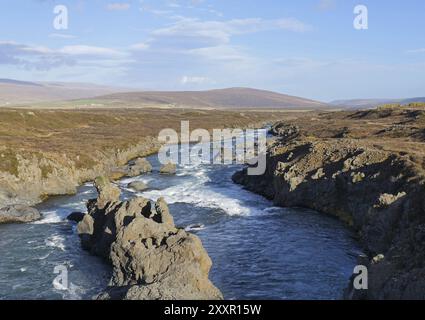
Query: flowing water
{"type": "Point", "coordinates": [258, 251]}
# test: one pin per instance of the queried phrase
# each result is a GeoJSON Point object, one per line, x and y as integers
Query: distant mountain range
{"type": "Point", "coordinates": [370, 103]}
{"type": "Point", "coordinates": [14, 92]}
{"type": "Point", "coordinates": [23, 92]}
{"type": "Point", "coordinates": [231, 98]}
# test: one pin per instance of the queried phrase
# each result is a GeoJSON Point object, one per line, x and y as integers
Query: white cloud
{"type": "Point", "coordinates": [223, 30]}
{"type": "Point", "coordinates": [118, 6]}
{"type": "Point", "coordinates": [43, 58]}
{"type": "Point", "coordinates": [140, 46]}
{"type": "Point", "coordinates": [62, 36]}
{"type": "Point", "coordinates": [194, 80]}
{"type": "Point", "coordinates": [420, 50]}
{"type": "Point", "coordinates": [193, 46]}
{"type": "Point", "coordinates": [84, 50]}
{"type": "Point", "coordinates": [192, 33]}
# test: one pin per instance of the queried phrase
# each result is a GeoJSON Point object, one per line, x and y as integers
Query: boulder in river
{"type": "Point", "coordinates": [151, 258]}
{"type": "Point", "coordinates": [169, 168]}
{"type": "Point", "coordinates": [18, 214]}
{"type": "Point", "coordinates": [75, 216]}
{"type": "Point", "coordinates": [137, 185]}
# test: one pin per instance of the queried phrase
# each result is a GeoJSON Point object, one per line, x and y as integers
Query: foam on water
{"type": "Point", "coordinates": [195, 227]}
{"type": "Point", "coordinates": [126, 181]}
{"type": "Point", "coordinates": [56, 241]}
{"type": "Point", "coordinates": [72, 292]}
{"type": "Point", "coordinates": [49, 217]}
{"type": "Point", "coordinates": [199, 192]}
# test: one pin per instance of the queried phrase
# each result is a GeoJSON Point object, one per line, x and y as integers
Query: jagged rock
{"type": "Point", "coordinates": [357, 177]}
{"type": "Point", "coordinates": [161, 208]}
{"type": "Point", "coordinates": [75, 216]}
{"type": "Point", "coordinates": [378, 258]}
{"type": "Point", "coordinates": [169, 168]}
{"type": "Point", "coordinates": [137, 185]}
{"type": "Point", "coordinates": [386, 199]}
{"type": "Point", "coordinates": [107, 192]}
{"type": "Point", "coordinates": [18, 214]}
{"type": "Point", "coordinates": [151, 258]}
{"type": "Point", "coordinates": [284, 130]}
{"type": "Point", "coordinates": [319, 174]}
{"type": "Point", "coordinates": [85, 229]}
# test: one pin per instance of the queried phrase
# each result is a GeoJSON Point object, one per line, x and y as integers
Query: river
{"type": "Point", "coordinates": [258, 251]}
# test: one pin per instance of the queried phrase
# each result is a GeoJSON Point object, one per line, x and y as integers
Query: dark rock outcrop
{"type": "Point", "coordinates": [379, 193]}
{"type": "Point", "coordinates": [151, 258]}
{"type": "Point", "coordinates": [75, 216]}
{"type": "Point", "coordinates": [284, 130]}
{"type": "Point", "coordinates": [18, 214]}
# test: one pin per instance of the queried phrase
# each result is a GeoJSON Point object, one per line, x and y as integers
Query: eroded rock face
{"type": "Point", "coordinates": [151, 258]}
{"type": "Point", "coordinates": [18, 214]}
{"type": "Point", "coordinates": [379, 193]}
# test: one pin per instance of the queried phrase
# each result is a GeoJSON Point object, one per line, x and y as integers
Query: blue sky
{"type": "Point", "coordinates": [307, 48]}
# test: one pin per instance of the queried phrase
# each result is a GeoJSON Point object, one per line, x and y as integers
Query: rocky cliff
{"type": "Point", "coordinates": [38, 177]}
{"type": "Point", "coordinates": [151, 258]}
{"type": "Point", "coordinates": [380, 193]}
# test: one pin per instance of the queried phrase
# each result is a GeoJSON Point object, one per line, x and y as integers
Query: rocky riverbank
{"type": "Point", "coordinates": [151, 258]}
{"type": "Point", "coordinates": [368, 183]}
{"type": "Point", "coordinates": [38, 177]}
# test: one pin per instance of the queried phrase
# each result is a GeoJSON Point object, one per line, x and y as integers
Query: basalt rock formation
{"type": "Point", "coordinates": [379, 192]}
{"type": "Point", "coordinates": [151, 258]}
{"type": "Point", "coordinates": [18, 214]}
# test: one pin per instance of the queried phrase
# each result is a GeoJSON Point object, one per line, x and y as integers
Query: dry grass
{"type": "Point", "coordinates": [394, 128]}
{"type": "Point", "coordinates": [80, 133]}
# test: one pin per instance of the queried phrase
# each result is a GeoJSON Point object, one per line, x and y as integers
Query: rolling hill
{"type": "Point", "coordinates": [22, 92]}
{"type": "Point", "coordinates": [81, 95]}
{"type": "Point", "coordinates": [231, 98]}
